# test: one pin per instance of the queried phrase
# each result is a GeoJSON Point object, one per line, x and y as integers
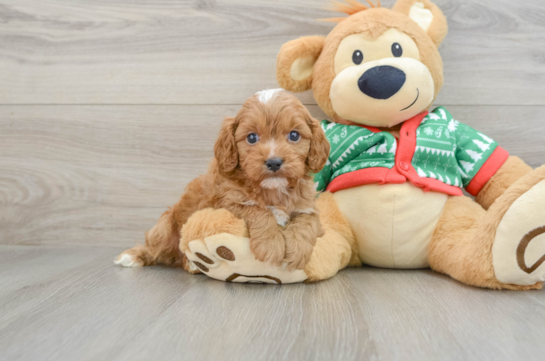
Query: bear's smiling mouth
{"type": "Point", "coordinates": [417, 95]}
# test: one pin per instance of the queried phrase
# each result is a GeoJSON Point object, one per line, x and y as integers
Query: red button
{"type": "Point", "coordinates": [403, 165]}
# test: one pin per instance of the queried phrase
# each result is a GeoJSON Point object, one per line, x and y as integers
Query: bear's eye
{"type": "Point", "coordinates": [357, 57]}
{"type": "Point", "coordinates": [252, 138]}
{"type": "Point", "coordinates": [397, 50]}
{"type": "Point", "coordinates": [294, 136]}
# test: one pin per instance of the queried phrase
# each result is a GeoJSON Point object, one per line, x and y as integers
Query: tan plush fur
{"type": "Point", "coordinates": [511, 171]}
{"type": "Point", "coordinates": [352, 6]}
{"type": "Point", "coordinates": [337, 248]}
{"type": "Point", "coordinates": [438, 28]}
{"type": "Point", "coordinates": [331, 216]}
{"type": "Point", "coordinates": [209, 222]}
{"type": "Point", "coordinates": [331, 254]}
{"type": "Point", "coordinates": [236, 181]}
{"type": "Point", "coordinates": [462, 244]}
{"type": "Point", "coordinates": [308, 46]}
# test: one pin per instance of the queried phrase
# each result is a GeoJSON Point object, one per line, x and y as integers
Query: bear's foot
{"type": "Point", "coordinates": [216, 243]}
{"type": "Point", "coordinates": [519, 247]}
{"type": "Point", "coordinates": [227, 257]}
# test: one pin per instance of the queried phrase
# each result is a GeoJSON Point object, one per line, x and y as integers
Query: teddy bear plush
{"type": "Point", "coordinates": [391, 192]}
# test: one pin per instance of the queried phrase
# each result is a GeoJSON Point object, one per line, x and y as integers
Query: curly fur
{"type": "Point", "coordinates": [235, 180]}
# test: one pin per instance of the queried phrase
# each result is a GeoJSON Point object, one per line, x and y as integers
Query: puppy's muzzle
{"type": "Point", "coordinates": [382, 82]}
{"type": "Point", "coordinates": [274, 164]}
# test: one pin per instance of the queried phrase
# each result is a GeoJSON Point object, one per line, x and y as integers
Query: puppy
{"type": "Point", "coordinates": [260, 173]}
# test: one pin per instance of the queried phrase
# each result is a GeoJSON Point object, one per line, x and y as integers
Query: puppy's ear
{"type": "Point", "coordinates": [427, 15]}
{"type": "Point", "coordinates": [319, 146]}
{"type": "Point", "coordinates": [295, 62]}
{"type": "Point", "coordinates": [225, 149]}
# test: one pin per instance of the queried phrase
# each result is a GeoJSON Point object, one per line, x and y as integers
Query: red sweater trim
{"type": "Point", "coordinates": [487, 171]}
{"type": "Point", "coordinates": [388, 176]}
{"type": "Point", "coordinates": [360, 177]}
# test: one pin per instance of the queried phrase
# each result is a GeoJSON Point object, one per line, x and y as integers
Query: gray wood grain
{"type": "Point", "coordinates": [86, 308]}
{"type": "Point", "coordinates": [102, 175]}
{"type": "Point", "coordinates": [221, 51]}
{"type": "Point", "coordinates": [109, 108]}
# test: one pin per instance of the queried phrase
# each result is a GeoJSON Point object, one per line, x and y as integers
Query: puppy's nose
{"type": "Point", "coordinates": [274, 164]}
{"type": "Point", "coordinates": [382, 82]}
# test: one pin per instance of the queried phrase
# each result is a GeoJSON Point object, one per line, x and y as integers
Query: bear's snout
{"type": "Point", "coordinates": [382, 82]}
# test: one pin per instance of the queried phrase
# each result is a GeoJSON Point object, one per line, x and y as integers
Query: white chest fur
{"type": "Point", "coordinates": [282, 217]}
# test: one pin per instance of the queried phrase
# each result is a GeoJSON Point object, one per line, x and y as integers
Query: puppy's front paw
{"type": "Point", "coordinates": [271, 250]}
{"type": "Point", "coordinates": [298, 251]}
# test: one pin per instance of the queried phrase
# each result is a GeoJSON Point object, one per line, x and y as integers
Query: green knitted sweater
{"type": "Point", "coordinates": [434, 152]}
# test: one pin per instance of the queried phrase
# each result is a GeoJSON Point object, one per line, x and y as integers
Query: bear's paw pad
{"type": "Point", "coordinates": [519, 247]}
{"type": "Point", "coordinates": [227, 257]}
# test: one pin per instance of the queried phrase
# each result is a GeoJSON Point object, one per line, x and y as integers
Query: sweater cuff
{"type": "Point", "coordinates": [487, 171]}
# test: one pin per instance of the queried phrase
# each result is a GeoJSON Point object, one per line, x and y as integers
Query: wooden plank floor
{"type": "Point", "coordinates": [109, 108]}
{"type": "Point", "coordinates": [70, 303]}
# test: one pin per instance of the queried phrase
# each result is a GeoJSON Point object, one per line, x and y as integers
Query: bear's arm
{"type": "Point", "coordinates": [491, 170]}
{"type": "Point", "coordinates": [487, 169]}
{"type": "Point", "coordinates": [510, 172]}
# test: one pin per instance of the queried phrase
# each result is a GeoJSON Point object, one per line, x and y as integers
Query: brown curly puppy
{"type": "Point", "coordinates": [260, 173]}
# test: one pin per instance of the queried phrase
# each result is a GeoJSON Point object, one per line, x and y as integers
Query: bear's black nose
{"type": "Point", "coordinates": [274, 164]}
{"type": "Point", "coordinates": [382, 82]}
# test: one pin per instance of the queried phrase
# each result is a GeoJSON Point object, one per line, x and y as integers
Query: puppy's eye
{"type": "Point", "coordinates": [357, 57]}
{"type": "Point", "coordinates": [397, 50]}
{"type": "Point", "coordinates": [294, 136]}
{"type": "Point", "coordinates": [252, 138]}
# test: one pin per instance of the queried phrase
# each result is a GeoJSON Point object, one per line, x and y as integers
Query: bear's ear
{"type": "Point", "coordinates": [427, 15]}
{"type": "Point", "coordinates": [295, 62]}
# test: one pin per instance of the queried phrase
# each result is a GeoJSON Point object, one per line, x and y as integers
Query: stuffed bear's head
{"type": "Point", "coordinates": [377, 67]}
